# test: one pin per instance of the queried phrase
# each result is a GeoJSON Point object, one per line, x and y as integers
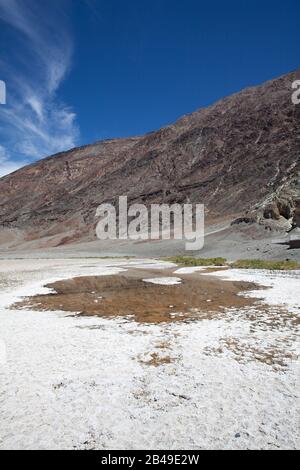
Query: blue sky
{"type": "Point", "coordinates": [78, 71]}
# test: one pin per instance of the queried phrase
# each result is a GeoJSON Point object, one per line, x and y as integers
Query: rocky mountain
{"type": "Point", "coordinates": [240, 157]}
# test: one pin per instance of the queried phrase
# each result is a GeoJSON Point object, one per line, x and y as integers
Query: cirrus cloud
{"type": "Point", "coordinates": [35, 122]}
{"type": "Point", "coordinates": [6, 164]}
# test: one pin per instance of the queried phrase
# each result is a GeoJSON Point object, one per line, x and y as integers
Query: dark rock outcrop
{"type": "Point", "coordinates": [238, 156]}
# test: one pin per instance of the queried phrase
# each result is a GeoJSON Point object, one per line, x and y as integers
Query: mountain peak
{"type": "Point", "coordinates": [232, 156]}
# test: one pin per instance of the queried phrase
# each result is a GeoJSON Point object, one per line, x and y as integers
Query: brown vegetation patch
{"type": "Point", "coordinates": [275, 355]}
{"type": "Point", "coordinates": [157, 360]}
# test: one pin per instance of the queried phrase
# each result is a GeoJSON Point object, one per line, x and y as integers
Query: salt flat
{"type": "Point", "coordinates": [70, 382]}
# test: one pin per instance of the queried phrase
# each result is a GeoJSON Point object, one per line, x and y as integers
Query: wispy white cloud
{"type": "Point", "coordinates": [34, 123]}
{"type": "Point", "coordinates": [6, 164]}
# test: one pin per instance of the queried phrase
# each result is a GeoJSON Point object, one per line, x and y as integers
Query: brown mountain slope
{"type": "Point", "coordinates": [233, 156]}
